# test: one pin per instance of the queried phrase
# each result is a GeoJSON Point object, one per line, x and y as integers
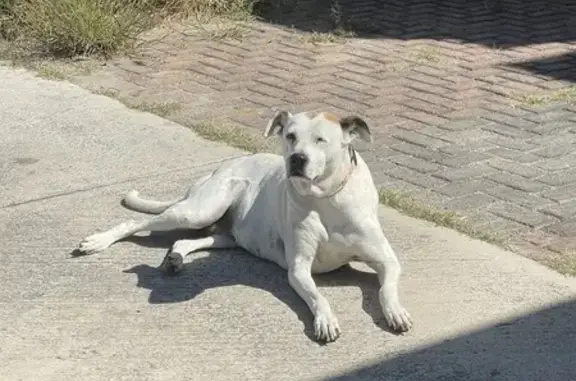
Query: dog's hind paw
{"type": "Point", "coordinates": [398, 318]}
{"type": "Point", "coordinates": [173, 262]}
{"type": "Point", "coordinates": [95, 243]}
{"type": "Point", "coordinates": [326, 328]}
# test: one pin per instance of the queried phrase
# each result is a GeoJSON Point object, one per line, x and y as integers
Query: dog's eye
{"type": "Point", "coordinates": [320, 140]}
{"type": "Point", "coordinates": [291, 137]}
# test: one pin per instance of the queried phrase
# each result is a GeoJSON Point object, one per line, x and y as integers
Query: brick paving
{"type": "Point", "coordinates": [439, 82]}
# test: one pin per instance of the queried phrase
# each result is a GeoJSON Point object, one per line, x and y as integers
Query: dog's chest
{"type": "Point", "coordinates": [336, 250]}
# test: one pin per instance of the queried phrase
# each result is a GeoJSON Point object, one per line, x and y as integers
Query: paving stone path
{"type": "Point", "coordinates": [469, 101]}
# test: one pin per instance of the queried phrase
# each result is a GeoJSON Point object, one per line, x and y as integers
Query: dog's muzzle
{"type": "Point", "coordinates": [296, 163]}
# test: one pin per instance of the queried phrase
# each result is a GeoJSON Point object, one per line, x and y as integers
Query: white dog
{"type": "Point", "coordinates": [311, 211]}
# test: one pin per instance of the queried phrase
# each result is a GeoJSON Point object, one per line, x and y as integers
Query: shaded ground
{"type": "Point", "coordinates": [529, 348]}
{"type": "Point", "coordinates": [470, 101]}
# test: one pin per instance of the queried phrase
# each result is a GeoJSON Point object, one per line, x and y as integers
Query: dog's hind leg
{"type": "Point", "coordinates": [174, 260]}
{"type": "Point", "coordinates": [205, 206]}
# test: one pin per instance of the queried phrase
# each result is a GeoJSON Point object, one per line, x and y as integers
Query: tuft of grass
{"type": "Point", "coordinates": [233, 136]}
{"type": "Point", "coordinates": [566, 95]}
{"type": "Point", "coordinates": [336, 36]}
{"type": "Point", "coordinates": [413, 208]}
{"type": "Point", "coordinates": [217, 28]}
{"type": "Point", "coordinates": [427, 55]}
{"type": "Point", "coordinates": [50, 72]}
{"type": "Point", "coordinates": [565, 263]}
{"type": "Point", "coordinates": [68, 28]}
{"type": "Point", "coordinates": [159, 108]}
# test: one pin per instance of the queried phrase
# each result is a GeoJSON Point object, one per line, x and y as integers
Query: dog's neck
{"type": "Point", "coordinates": [336, 179]}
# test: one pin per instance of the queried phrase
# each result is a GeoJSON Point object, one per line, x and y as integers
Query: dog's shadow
{"type": "Point", "coordinates": [221, 268]}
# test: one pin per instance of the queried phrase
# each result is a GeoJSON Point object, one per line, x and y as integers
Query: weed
{"type": "Point", "coordinates": [566, 95]}
{"type": "Point", "coordinates": [411, 207]}
{"type": "Point", "coordinates": [333, 37]}
{"type": "Point", "coordinates": [233, 136]}
{"type": "Point", "coordinates": [563, 263]}
{"type": "Point", "coordinates": [50, 72]}
{"type": "Point", "coordinates": [67, 28]}
{"type": "Point", "coordinates": [159, 108]}
{"type": "Point", "coordinates": [427, 55]}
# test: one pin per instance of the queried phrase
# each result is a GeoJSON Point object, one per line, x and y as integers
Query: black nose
{"type": "Point", "coordinates": [297, 163]}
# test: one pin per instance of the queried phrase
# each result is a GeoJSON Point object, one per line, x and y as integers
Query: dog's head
{"type": "Point", "coordinates": [314, 147]}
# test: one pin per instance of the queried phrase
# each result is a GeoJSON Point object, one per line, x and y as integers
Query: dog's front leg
{"type": "Point", "coordinates": [300, 253]}
{"type": "Point", "coordinates": [377, 253]}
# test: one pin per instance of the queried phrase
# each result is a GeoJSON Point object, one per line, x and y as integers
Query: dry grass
{"type": "Point", "coordinates": [68, 28]}
{"type": "Point", "coordinates": [334, 37]}
{"type": "Point", "coordinates": [564, 263]}
{"type": "Point", "coordinates": [566, 95]}
{"type": "Point", "coordinates": [426, 55]}
{"type": "Point", "coordinates": [162, 109]}
{"type": "Point", "coordinates": [413, 208]}
{"type": "Point", "coordinates": [234, 136]}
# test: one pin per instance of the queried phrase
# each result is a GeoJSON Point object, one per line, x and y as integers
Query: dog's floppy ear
{"type": "Point", "coordinates": [277, 123]}
{"type": "Point", "coordinates": [355, 126]}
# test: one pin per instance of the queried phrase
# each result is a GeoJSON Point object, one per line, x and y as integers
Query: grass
{"type": "Point", "coordinates": [50, 72]}
{"type": "Point", "coordinates": [336, 36]}
{"type": "Point", "coordinates": [564, 263]}
{"type": "Point", "coordinates": [234, 136]}
{"type": "Point", "coordinates": [69, 28]}
{"type": "Point", "coordinates": [163, 109]}
{"type": "Point", "coordinates": [566, 95]}
{"type": "Point", "coordinates": [449, 219]}
{"type": "Point", "coordinates": [427, 55]}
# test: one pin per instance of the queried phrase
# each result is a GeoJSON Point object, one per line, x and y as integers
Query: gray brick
{"type": "Point", "coordinates": [565, 229]}
{"type": "Point", "coordinates": [563, 177]}
{"type": "Point", "coordinates": [555, 150]}
{"type": "Point", "coordinates": [419, 139]}
{"type": "Point", "coordinates": [504, 130]}
{"type": "Point", "coordinates": [426, 118]}
{"type": "Point", "coordinates": [418, 151]}
{"type": "Point", "coordinates": [521, 215]}
{"type": "Point", "coordinates": [518, 197]}
{"type": "Point", "coordinates": [563, 211]}
{"type": "Point", "coordinates": [561, 194]}
{"type": "Point", "coordinates": [566, 243]}
{"type": "Point", "coordinates": [515, 144]}
{"type": "Point", "coordinates": [509, 154]}
{"type": "Point", "coordinates": [475, 170]}
{"type": "Point", "coordinates": [415, 163]}
{"type": "Point", "coordinates": [517, 182]}
{"type": "Point", "coordinates": [555, 127]}
{"type": "Point", "coordinates": [464, 159]}
{"type": "Point", "coordinates": [516, 168]}
{"type": "Point", "coordinates": [462, 124]}
{"type": "Point", "coordinates": [550, 116]}
{"type": "Point", "coordinates": [556, 164]}
{"type": "Point", "coordinates": [465, 187]}
{"type": "Point", "coordinates": [413, 177]}
{"type": "Point", "coordinates": [434, 132]}
{"type": "Point", "coordinates": [472, 201]}
{"type": "Point", "coordinates": [500, 226]}
{"type": "Point", "coordinates": [508, 120]}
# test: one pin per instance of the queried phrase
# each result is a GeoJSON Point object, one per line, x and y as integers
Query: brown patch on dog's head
{"type": "Point", "coordinates": [330, 117]}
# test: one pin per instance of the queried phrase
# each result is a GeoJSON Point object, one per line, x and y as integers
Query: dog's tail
{"type": "Point", "coordinates": [133, 201]}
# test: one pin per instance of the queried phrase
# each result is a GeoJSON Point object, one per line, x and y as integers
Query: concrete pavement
{"type": "Point", "coordinates": [67, 157]}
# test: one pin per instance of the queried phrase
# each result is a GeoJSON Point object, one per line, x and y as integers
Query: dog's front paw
{"type": "Point", "coordinates": [326, 328]}
{"type": "Point", "coordinates": [397, 318]}
{"type": "Point", "coordinates": [95, 243]}
{"type": "Point", "coordinates": [173, 262]}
